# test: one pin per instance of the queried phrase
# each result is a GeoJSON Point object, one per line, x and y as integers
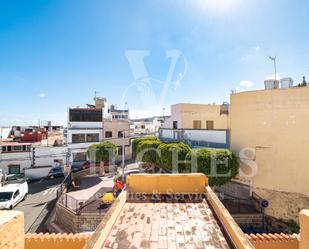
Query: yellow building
{"type": "Point", "coordinates": [198, 116]}
{"type": "Point", "coordinates": [269, 134]}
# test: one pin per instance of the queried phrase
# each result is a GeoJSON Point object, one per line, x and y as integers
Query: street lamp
{"type": "Point", "coordinates": [123, 151]}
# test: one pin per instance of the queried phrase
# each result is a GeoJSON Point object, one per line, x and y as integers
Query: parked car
{"type": "Point", "coordinates": [55, 172]}
{"type": "Point", "coordinates": [16, 177]}
{"type": "Point", "coordinates": [78, 166]}
{"type": "Point", "coordinates": [12, 194]}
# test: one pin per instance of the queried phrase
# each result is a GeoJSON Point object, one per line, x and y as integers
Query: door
{"type": "Point", "coordinates": [209, 124]}
{"type": "Point", "coordinates": [197, 124]}
{"type": "Point", "coordinates": [14, 169]}
{"type": "Point", "coordinates": [16, 197]}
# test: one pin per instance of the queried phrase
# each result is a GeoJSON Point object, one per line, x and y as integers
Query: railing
{"type": "Point", "coordinates": [238, 205]}
{"type": "Point", "coordinates": [65, 185]}
{"type": "Point", "coordinates": [196, 137]}
{"type": "Point", "coordinates": [78, 206]}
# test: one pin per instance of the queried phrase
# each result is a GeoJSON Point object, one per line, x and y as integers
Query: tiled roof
{"type": "Point", "coordinates": [56, 236]}
{"type": "Point", "coordinates": [274, 241]}
{"type": "Point", "coordinates": [166, 225]}
{"type": "Point", "coordinates": [272, 236]}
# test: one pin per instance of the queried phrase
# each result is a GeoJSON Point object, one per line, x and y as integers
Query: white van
{"type": "Point", "coordinates": [13, 193]}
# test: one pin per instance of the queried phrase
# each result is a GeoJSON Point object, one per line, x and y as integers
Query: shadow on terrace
{"type": "Point", "coordinates": [79, 207]}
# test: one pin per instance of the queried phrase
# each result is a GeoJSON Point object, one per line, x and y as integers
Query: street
{"type": "Point", "coordinates": [38, 204]}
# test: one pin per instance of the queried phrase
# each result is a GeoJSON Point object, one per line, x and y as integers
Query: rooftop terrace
{"type": "Point", "coordinates": [166, 225]}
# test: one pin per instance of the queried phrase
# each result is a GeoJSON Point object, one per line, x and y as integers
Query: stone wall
{"type": "Point", "coordinates": [74, 223]}
{"type": "Point", "coordinates": [249, 220]}
{"type": "Point", "coordinates": [283, 205]}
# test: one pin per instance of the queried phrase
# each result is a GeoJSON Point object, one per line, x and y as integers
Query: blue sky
{"type": "Point", "coordinates": [55, 54]}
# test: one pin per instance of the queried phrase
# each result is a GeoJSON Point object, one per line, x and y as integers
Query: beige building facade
{"type": "Point", "coordinates": [198, 116]}
{"type": "Point", "coordinates": [269, 134]}
{"type": "Point", "coordinates": [114, 130]}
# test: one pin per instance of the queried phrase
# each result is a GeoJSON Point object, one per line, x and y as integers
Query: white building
{"type": "Point", "coordinates": [87, 126]}
{"type": "Point", "coordinates": [15, 157]}
{"type": "Point", "coordinates": [84, 129]}
{"type": "Point", "coordinates": [147, 125]}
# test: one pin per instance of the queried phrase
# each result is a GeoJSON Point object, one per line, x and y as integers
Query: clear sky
{"type": "Point", "coordinates": [55, 54]}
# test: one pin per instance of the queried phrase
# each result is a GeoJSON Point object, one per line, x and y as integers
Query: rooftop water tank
{"type": "Point", "coordinates": [286, 82]}
{"type": "Point", "coordinates": [271, 84]}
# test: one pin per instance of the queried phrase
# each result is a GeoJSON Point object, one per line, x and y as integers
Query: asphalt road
{"type": "Point", "coordinates": [39, 203]}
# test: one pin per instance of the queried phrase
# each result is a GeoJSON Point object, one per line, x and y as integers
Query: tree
{"type": "Point", "coordinates": [171, 153]}
{"type": "Point", "coordinates": [102, 152]}
{"type": "Point", "coordinates": [219, 165]}
{"type": "Point", "coordinates": [136, 141]}
{"type": "Point", "coordinates": [147, 152]}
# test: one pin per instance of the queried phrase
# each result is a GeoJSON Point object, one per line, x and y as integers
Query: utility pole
{"type": "Point", "coordinates": [33, 157]}
{"type": "Point", "coordinates": [123, 150]}
{"type": "Point", "coordinates": [95, 95]}
{"type": "Point", "coordinates": [274, 60]}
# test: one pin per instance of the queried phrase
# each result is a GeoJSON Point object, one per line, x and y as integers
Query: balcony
{"type": "Point", "coordinates": [196, 138]}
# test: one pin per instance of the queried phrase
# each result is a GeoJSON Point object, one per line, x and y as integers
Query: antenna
{"type": "Point", "coordinates": [274, 59]}
{"type": "Point", "coordinates": [95, 94]}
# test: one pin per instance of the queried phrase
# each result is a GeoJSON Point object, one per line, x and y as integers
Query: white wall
{"type": "Point", "coordinates": [19, 158]}
{"type": "Point", "coordinates": [46, 156]}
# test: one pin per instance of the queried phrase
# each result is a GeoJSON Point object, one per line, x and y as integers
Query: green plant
{"type": "Point", "coordinates": [293, 226]}
{"type": "Point", "coordinates": [147, 151]}
{"type": "Point", "coordinates": [102, 152]}
{"type": "Point", "coordinates": [136, 141]}
{"type": "Point", "coordinates": [219, 165]}
{"type": "Point", "coordinates": [171, 153]}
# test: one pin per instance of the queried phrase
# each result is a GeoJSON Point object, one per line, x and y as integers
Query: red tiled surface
{"type": "Point", "coordinates": [272, 236]}
{"type": "Point", "coordinates": [166, 225]}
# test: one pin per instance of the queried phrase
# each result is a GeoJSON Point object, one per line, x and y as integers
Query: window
{"type": "Point", "coordinates": [14, 169]}
{"type": "Point", "coordinates": [24, 148]}
{"type": "Point", "coordinates": [175, 125]}
{"type": "Point", "coordinates": [143, 126]}
{"type": "Point", "coordinates": [120, 134]}
{"type": "Point", "coordinates": [119, 150]}
{"type": "Point", "coordinates": [9, 148]}
{"type": "Point", "coordinates": [3, 148]}
{"type": "Point", "coordinates": [209, 124]}
{"type": "Point", "coordinates": [18, 148]}
{"type": "Point", "coordinates": [92, 137]}
{"type": "Point", "coordinates": [78, 138]}
{"type": "Point", "coordinates": [86, 115]}
{"type": "Point", "coordinates": [16, 194]}
{"type": "Point", "coordinates": [197, 124]}
{"type": "Point", "coordinates": [108, 134]}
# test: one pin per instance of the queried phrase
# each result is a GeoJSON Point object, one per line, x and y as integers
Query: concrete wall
{"type": "Point", "coordinates": [74, 223]}
{"type": "Point", "coordinates": [19, 158]}
{"type": "Point", "coordinates": [44, 156]}
{"type": "Point", "coordinates": [274, 125]}
{"type": "Point", "coordinates": [184, 114]}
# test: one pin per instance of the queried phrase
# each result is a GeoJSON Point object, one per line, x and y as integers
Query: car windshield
{"type": "Point", "coordinates": [5, 196]}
